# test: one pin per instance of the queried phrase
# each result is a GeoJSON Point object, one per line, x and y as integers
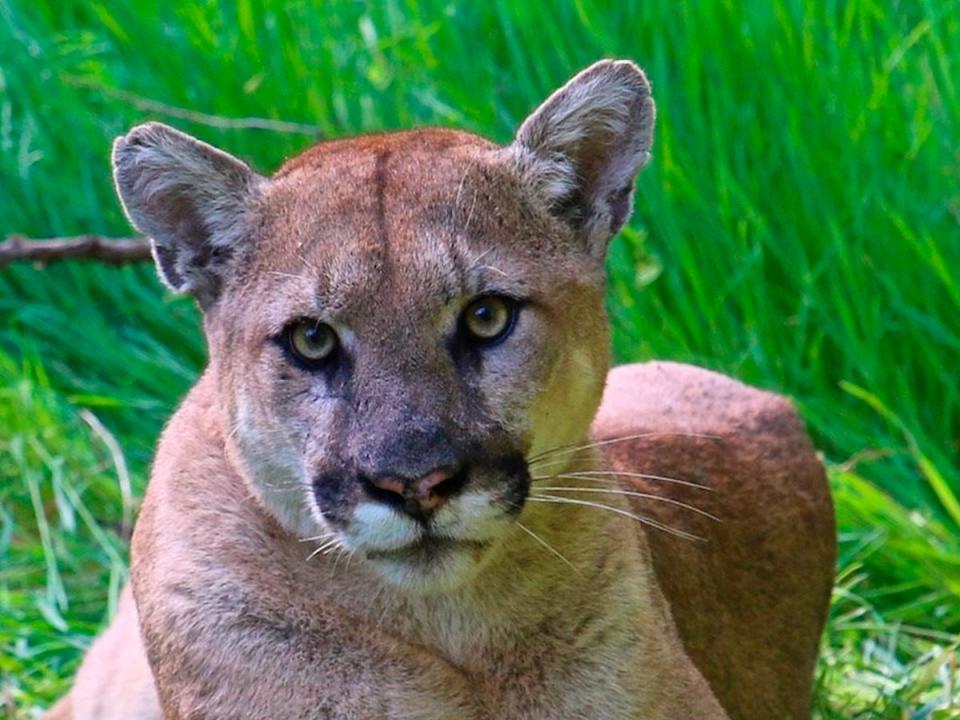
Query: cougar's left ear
{"type": "Point", "coordinates": [582, 148]}
{"type": "Point", "coordinates": [196, 203]}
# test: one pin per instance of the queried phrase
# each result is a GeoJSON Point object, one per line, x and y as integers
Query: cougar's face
{"type": "Point", "coordinates": [401, 347]}
{"type": "Point", "coordinates": [400, 324]}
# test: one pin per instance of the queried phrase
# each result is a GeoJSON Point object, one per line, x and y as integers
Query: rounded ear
{"type": "Point", "coordinates": [195, 203]}
{"type": "Point", "coordinates": [581, 150]}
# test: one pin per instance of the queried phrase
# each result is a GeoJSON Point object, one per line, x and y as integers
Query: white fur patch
{"type": "Point", "coordinates": [276, 473]}
{"type": "Point", "coordinates": [470, 516]}
{"type": "Point", "coordinates": [378, 527]}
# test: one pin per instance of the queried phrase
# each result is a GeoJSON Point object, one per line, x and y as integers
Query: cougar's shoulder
{"type": "Point", "coordinates": [698, 443]}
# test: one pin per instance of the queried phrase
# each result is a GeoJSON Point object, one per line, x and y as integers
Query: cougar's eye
{"type": "Point", "coordinates": [488, 320]}
{"type": "Point", "coordinates": [310, 341]}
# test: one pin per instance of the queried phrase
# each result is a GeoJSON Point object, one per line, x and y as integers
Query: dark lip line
{"type": "Point", "coordinates": [428, 544]}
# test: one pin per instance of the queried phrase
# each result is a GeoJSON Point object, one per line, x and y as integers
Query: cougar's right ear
{"type": "Point", "coordinates": [195, 203]}
{"type": "Point", "coordinates": [581, 150]}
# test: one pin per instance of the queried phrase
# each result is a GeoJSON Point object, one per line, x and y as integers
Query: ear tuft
{"type": "Point", "coordinates": [194, 202]}
{"type": "Point", "coordinates": [581, 150]}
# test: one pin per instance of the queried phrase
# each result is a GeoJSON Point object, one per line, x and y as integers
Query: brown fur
{"type": "Point", "coordinates": [540, 604]}
{"type": "Point", "coordinates": [750, 602]}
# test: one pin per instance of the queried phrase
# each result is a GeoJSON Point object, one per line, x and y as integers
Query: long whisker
{"type": "Point", "coordinates": [309, 265]}
{"type": "Point", "coordinates": [604, 475]}
{"type": "Point", "coordinates": [642, 519]}
{"type": "Point", "coordinates": [343, 552]}
{"type": "Point", "coordinates": [565, 460]}
{"type": "Point", "coordinates": [350, 557]}
{"type": "Point", "coordinates": [324, 548]}
{"type": "Point", "coordinates": [330, 545]}
{"type": "Point", "coordinates": [237, 426]}
{"type": "Point", "coordinates": [565, 449]}
{"type": "Point", "coordinates": [318, 537]}
{"type": "Point", "coordinates": [629, 493]}
{"type": "Point", "coordinates": [312, 555]}
{"type": "Point", "coordinates": [479, 258]}
{"type": "Point", "coordinates": [548, 546]}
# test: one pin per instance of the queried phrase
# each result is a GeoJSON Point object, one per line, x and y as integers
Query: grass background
{"type": "Point", "coordinates": [798, 228]}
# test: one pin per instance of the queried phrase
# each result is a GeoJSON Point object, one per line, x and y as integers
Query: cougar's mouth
{"type": "Point", "coordinates": [430, 563]}
{"type": "Point", "coordinates": [428, 547]}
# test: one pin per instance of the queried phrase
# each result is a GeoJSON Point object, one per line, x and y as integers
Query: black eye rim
{"type": "Point", "coordinates": [298, 358]}
{"type": "Point", "coordinates": [513, 306]}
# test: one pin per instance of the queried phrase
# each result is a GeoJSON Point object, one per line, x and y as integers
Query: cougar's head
{"type": "Point", "coordinates": [398, 323]}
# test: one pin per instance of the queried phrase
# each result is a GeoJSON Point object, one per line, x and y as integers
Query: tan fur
{"type": "Point", "coordinates": [115, 673]}
{"type": "Point", "coordinates": [545, 606]}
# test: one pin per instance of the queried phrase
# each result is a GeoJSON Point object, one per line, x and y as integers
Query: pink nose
{"type": "Point", "coordinates": [427, 493]}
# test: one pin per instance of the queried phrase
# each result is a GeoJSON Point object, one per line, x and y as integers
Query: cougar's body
{"type": "Point", "coordinates": [384, 498]}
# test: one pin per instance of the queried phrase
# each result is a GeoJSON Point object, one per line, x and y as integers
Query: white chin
{"type": "Point", "coordinates": [441, 566]}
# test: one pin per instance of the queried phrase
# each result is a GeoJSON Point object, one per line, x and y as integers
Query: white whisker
{"type": "Point", "coordinates": [565, 449]}
{"type": "Point", "coordinates": [318, 537]}
{"type": "Point", "coordinates": [312, 555]}
{"type": "Point", "coordinates": [541, 465]}
{"type": "Point", "coordinates": [629, 493]}
{"type": "Point", "coordinates": [329, 544]}
{"type": "Point", "coordinates": [325, 548]}
{"type": "Point", "coordinates": [548, 546]}
{"type": "Point", "coordinates": [479, 258]}
{"type": "Point", "coordinates": [642, 519]}
{"type": "Point", "coordinates": [603, 475]}
{"type": "Point", "coordinates": [340, 555]}
{"type": "Point", "coordinates": [309, 265]}
{"type": "Point", "coordinates": [237, 426]}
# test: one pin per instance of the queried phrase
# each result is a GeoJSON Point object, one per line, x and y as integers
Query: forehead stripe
{"type": "Point", "coordinates": [380, 191]}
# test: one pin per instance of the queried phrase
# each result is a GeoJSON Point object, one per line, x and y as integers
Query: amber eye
{"type": "Point", "coordinates": [490, 319]}
{"type": "Point", "coordinates": [311, 341]}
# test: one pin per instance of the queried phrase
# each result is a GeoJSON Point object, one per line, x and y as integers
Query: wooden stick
{"type": "Point", "coordinates": [114, 251]}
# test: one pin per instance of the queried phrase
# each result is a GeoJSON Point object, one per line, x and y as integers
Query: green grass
{"type": "Point", "coordinates": [797, 228]}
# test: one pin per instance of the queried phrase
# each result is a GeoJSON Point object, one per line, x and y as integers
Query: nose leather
{"type": "Point", "coordinates": [424, 489]}
{"type": "Point", "coordinates": [421, 492]}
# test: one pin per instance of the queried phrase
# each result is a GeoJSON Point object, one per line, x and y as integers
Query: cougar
{"type": "Point", "coordinates": [407, 486]}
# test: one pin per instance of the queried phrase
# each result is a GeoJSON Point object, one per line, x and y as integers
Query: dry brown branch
{"type": "Point", "coordinates": [202, 118]}
{"type": "Point", "coordinates": [226, 123]}
{"type": "Point", "coordinates": [114, 251]}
